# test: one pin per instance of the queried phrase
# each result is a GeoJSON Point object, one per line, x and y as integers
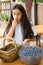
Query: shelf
{"type": "Point", "coordinates": [4, 9]}
{"type": "Point", "coordinates": [4, 1]}
{"type": "Point", "coordinates": [5, 6]}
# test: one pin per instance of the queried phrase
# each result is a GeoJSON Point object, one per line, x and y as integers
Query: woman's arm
{"type": "Point", "coordinates": [11, 31]}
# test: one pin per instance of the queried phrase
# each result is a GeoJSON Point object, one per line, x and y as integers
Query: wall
{"type": "Point", "coordinates": [40, 13]}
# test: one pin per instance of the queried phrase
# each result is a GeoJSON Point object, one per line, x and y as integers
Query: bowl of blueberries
{"type": "Point", "coordinates": [31, 55]}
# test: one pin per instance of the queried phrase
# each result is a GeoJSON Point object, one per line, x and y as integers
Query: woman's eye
{"type": "Point", "coordinates": [19, 13]}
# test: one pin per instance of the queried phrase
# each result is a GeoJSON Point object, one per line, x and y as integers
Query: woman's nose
{"type": "Point", "coordinates": [15, 17]}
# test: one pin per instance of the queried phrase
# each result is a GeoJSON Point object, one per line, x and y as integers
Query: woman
{"type": "Point", "coordinates": [19, 27]}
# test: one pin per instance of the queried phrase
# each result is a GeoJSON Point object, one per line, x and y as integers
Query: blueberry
{"type": "Point", "coordinates": [30, 51]}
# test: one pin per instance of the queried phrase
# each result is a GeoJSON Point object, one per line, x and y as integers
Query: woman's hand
{"type": "Point", "coordinates": [26, 41]}
{"type": "Point", "coordinates": [14, 23]}
{"type": "Point", "coordinates": [11, 31]}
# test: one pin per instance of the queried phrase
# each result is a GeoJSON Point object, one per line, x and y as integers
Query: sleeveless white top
{"type": "Point", "coordinates": [18, 37]}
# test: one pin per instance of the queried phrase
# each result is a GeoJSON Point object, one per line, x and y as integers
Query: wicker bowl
{"type": "Point", "coordinates": [28, 59]}
{"type": "Point", "coordinates": [9, 52]}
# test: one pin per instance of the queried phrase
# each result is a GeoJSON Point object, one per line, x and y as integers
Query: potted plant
{"type": "Point", "coordinates": [4, 17]}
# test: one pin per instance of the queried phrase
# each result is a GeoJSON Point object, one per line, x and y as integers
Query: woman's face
{"type": "Point", "coordinates": [17, 14]}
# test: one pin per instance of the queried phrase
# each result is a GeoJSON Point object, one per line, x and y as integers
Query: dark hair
{"type": "Point", "coordinates": [25, 24]}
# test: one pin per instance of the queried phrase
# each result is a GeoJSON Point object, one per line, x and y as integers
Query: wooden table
{"type": "Point", "coordinates": [39, 30]}
{"type": "Point", "coordinates": [17, 62]}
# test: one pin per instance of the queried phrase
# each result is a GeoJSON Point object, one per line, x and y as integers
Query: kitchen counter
{"type": "Point", "coordinates": [17, 62]}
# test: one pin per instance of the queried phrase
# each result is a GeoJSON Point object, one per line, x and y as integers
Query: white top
{"type": "Point", "coordinates": [18, 34]}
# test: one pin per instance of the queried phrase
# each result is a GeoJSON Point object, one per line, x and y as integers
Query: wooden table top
{"type": "Point", "coordinates": [39, 29]}
{"type": "Point", "coordinates": [17, 62]}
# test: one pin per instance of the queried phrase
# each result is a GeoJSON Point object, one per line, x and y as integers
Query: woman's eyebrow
{"type": "Point", "coordinates": [19, 12]}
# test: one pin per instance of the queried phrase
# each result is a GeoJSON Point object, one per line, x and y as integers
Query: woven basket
{"type": "Point", "coordinates": [9, 52]}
